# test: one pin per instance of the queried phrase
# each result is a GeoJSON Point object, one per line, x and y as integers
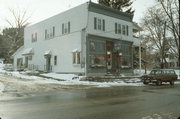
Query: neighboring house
{"type": "Point", "coordinates": [172, 61]}
{"type": "Point", "coordinates": [89, 39]}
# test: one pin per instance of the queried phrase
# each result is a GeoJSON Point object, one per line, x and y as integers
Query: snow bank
{"type": "Point", "coordinates": [1, 87]}
{"type": "Point", "coordinates": [60, 76]}
{"type": "Point", "coordinates": [178, 73]}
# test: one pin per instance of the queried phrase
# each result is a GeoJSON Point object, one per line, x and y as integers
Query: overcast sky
{"type": "Point", "coordinates": [42, 9]}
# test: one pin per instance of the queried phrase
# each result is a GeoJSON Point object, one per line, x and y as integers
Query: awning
{"type": "Point", "coordinates": [48, 52]}
{"type": "Point", "coordinates": [28, 51]}
{"type": "Point", "coordinates": [75, 50]}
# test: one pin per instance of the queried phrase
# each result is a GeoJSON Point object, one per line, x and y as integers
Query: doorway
{"type": "Point", "coordinates": [109, 56]}
{"type": "Point", "coordinates": [48, 64]}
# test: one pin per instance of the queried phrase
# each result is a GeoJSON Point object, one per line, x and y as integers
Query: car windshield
{"type": "Point", "coordinates": [155, 72]}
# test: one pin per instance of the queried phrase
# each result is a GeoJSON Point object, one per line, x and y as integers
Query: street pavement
{"type": "Point", "coordinates": [149, 102]}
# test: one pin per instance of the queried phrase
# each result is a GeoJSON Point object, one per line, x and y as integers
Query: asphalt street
{"type": "Point", "coordinates": [149, 102]}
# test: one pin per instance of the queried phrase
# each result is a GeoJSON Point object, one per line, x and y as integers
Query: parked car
{"type": "Point", "coordinates": [8, 67]}
{"type": "Point", "coordinates": [160, 75]}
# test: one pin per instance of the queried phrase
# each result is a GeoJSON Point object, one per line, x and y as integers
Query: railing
{"type": "Point", "coordinates": [33, 67]}
{"type": "Point", "coordinates": [48, 68]}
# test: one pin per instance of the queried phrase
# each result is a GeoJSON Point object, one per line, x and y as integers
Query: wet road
{"type": "Point", "coordinates": [97, 103]}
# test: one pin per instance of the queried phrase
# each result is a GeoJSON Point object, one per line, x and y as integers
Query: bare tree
{"type": "Point", "coordinates": [154, 25]}
{"type": "Point", "coordinates": [15, 34]}
{"type": "Point", "coordinates": [171, 10]}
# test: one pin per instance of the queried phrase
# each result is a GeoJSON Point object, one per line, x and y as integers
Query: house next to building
{"type": "Point", "coordinates": [89, 39]}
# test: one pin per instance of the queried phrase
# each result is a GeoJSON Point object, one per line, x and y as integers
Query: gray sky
{"type": "Point", "coordinates": [42, 9]}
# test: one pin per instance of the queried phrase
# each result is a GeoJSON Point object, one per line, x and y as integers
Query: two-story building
{"type": "Point", "coordinates": [89, 39]}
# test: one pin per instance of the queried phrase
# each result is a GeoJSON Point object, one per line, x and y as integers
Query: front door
{"type": "Point", "coordinates": [109, 56]}
{"type": "Point", "coordinates": [48, 64]}
{"type": "Point", "coordinates": [26, 62]}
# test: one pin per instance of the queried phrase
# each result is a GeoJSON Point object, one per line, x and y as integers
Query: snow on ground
{"type": "Point", "coordinates": [69, 79]}
{"type": "Point", "coordinates": [72, 79]}
{"type": "Point", "coordinates": [60, 76]}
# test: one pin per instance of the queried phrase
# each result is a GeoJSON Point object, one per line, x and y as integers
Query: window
{"type": "Point", "coordinates": [53, 31]}
{"type": "Point", "coordinates": [127, 30]}
{"type": "Point", "coordinates": [55, 60]}
{"type": "Point", "coordinates": [50, 33]}
{"type": "Point", "coordinates": [123, 30]}
{"type": "Point", "coordinates": [45, 33]}
{"type": "Point", "coordinates": [34, 37]}
{"type": "Point", "coordinates": [76, 57]}
{"type": "Point", "coordinates": [99, 24]}
{"type": "Point", "coordinates": [117, 28]}
{"type": "Point", "coordinates": [103, 25]}
{"type": "Point", "coordinates": [66, 28]}
{"type": "Point", "coordinates": [95, 23]}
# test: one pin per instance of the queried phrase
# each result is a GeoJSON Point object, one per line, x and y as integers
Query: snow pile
{"type": "Point", "coordinates": [21, 75]}
{"type": "Point", "coordinates": [60, 76]}
{"type": "Point", "coordinates": [1, 87]}
{"type": "Point", "coordinates": [178, 73]}
{"type": "Point", "coordinates": [134, 80]}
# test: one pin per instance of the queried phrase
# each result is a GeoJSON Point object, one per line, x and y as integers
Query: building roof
{"type": "Point", "coordinates": [93, 7]}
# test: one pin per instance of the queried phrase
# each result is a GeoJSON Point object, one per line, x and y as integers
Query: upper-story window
{"type": "Point", "coordinates": [121, 29]}
{"type": "Point", "coordinates": [34, 37]}
{"type": "Point", "coordinates": [66, 28]}
{"type": "Point", "coordinates": [117, 28]}
{"type": "Point", "coordinates": [99, 24]}
{"type": "Point", "coordinates": [127, 30]}
{"type": "Point", "coordinates": [50, 33]}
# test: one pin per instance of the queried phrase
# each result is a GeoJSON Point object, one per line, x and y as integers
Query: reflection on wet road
{"type": "Point", "coordinates": [97, 103]}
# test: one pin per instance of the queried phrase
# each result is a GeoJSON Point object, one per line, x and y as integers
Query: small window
{"type": "Point", "coordinates": [95, 23]}
{"type": "Point", "coordinates": [34, 37]}
{"type": "Point", "coordinates": [53, 31]}
{"type": "Point", "coordinates": [103, 25]}
{"type": "Point", "coordinates": [45, 33]}
{"type": "Point", "coordinates": [76, 58]}
{"type": "Point", "coordinates": [69, 27]}
{"type": "Point", "coordinates": [62, 28]}
{"type": "Point", "coordinates": [119, 28]}
{"type": "Point", "coordinates": [55, 60]}
{"type": "Point", "coordinates": [127, 30]}
{"type": "Point", "coordinates": [99, 24]}
{"type": "Point", "coordinates": [66, 28]}
{"type": "Point", "coordinates": [124, 30]}
{"type": "Point", "coordinates": [116, 28]}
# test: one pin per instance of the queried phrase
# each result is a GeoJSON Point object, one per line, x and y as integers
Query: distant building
{"type": "Point", "coordinates": [172, 61]}
{"type": "Point", "coordinates": [89, 39]}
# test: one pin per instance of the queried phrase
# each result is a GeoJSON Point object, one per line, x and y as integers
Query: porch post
{"type": "Point", "coordinates": [140, 55]}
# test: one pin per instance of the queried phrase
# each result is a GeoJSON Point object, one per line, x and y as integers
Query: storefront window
{"type": "Point", "coordinates": [97, 60]}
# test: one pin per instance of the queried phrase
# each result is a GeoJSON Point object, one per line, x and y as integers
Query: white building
{"type": "Point", "coordinates": [90, 39]}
